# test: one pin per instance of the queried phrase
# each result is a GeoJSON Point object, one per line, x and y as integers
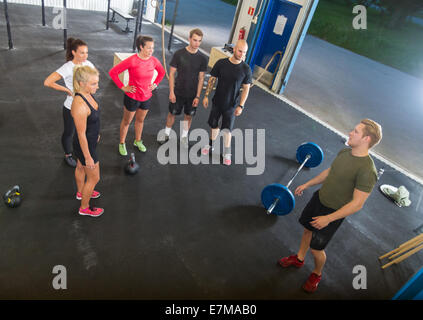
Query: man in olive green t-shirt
{"type": "Point", "coordinates": [346, 185]}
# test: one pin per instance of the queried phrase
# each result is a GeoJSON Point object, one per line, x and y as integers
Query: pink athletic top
{"type": "Point", "coordinates": [140, 74]}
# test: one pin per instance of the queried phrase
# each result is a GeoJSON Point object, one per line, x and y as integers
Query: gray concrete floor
{"type": "Point", "coordinates": [340, 88]}
{"type": "Point", "coordinates": [173, 231]}
{"type": "Point", "coordinates": [336, 85]}
{"type": "Point", "coordinates": [214, 17]}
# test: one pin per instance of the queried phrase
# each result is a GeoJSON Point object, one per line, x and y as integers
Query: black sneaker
{"type": "Point", "coordinates": [70, 161]}
{"type": "Point", "coordinates": [163, 141]}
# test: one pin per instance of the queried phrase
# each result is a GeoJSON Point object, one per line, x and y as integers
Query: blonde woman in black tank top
{"type": "Point", "coordinates": [86, 115]}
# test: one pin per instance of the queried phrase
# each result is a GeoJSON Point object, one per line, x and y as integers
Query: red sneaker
{"type": "Point", "coordinates": [91, 211]}
{"type": "Point", "coordinates": [290, 261]}
{"type": "Point", "coordinates": [312, 282]}
{"type": "Point", "coordinates": [94, 195]}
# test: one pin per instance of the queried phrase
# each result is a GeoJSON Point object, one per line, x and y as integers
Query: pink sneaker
{"type": "Point", "coordinates": [227, 159]}
{"type": "Point", "coordinates": [91, 211]}
{"type": "Point", "coordinates": [94, 195]}
{"type": "Point", "coordinates": [206, 150]}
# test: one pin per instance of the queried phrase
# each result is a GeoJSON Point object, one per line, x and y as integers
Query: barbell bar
{"type": "Point", "coordinates": [277, 198]}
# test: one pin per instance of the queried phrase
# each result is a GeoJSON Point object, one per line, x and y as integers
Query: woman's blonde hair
{"type": "Point", "coordinates": [82, 74]}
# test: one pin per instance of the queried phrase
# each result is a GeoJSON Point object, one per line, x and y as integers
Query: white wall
{"type": "Point", "coordinates": [244, 19]}
{"type": "Point", "coordinates": [94, 5]}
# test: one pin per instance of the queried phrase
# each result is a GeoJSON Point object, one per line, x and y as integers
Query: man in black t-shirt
{"type": "Point", "coordinates": [232, 74]}
{"type": "Point", "coordinates": [189, 65]}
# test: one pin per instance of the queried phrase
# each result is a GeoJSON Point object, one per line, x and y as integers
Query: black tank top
{"type": "Point", "coordinates": [93, 122]}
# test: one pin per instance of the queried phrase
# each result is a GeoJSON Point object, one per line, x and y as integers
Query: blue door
{"type": "Point", "coordinates": [278, 24]}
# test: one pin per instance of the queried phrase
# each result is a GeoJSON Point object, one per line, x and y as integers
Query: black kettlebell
{"type": "Point", "coordinates": [12, 198]}
{"type": "Point", "coordinates": [132, 166]}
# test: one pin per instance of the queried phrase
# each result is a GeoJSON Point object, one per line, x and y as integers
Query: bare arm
{"type": "Point", "coordinates": [80, 113]}
{"type": "Point", "coordinates": [244, 96]}
{"type": "Point", "coordinates": [209, 88]}
{"type": "Point", "coordinates": [312, 182]}
{"type": "Point", "coordinates": [199, 89]}
{"type": "Point", "coordinates": [319, 179]}
{"type": "Point", "coordinates": [359, 198]}
{"type": "Point", "coordinates": [51, 80]}
{"type": "Point", "coordinates": [172, 96]}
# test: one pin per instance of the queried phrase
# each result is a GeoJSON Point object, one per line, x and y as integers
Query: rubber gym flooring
{"type": "Point", "coordinates": [172, 231]}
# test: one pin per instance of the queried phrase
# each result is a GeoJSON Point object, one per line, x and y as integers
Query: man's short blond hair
{"type": "Point", "coordinates": [373, 130]}
{"type": "Point", "coordinates": [196, 31]}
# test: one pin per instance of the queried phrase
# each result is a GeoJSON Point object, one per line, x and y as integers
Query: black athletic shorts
{"type": "Point", "coordinates": [92, 147]}
{"type": "Point", "coordinates": [132, 104]}
{"type": "Point", "coordinates": [314, 208]}
{"type": "Point", "coordinates": [227, 115]}
{"type": "Point", "coordinates": [181, 103]}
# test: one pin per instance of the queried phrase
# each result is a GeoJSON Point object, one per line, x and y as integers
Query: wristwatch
{"type": "Point", "coordinates": [242, 107]}
{"type": "Point", "coordinates": [197, 98]}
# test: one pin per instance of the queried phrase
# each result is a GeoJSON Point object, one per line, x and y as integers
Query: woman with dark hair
{"type": "Point", "coordinates": [76, 54]}
{"type": "Point", "coordinates": [138, 92]}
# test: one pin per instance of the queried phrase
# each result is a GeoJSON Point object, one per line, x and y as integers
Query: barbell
{"type": "Point", "coordinates": [277, 198]}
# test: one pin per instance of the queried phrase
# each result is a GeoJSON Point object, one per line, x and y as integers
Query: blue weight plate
{"type": "Point", "coordinates": [276, 190]}
{"type": "Point", "coordinates": [313, 150]}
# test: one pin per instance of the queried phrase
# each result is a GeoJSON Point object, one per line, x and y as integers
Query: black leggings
{"type": "Point", "coordinates": [68, 131]}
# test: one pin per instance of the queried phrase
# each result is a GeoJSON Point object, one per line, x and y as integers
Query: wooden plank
{"type": "Point", "coordinates": [403, 257]}
{"type": "Point", "coordinates": [415, 239]}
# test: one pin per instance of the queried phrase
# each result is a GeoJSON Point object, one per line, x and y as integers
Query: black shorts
{"type": "Point", "coordinates": [314, 208]}
{"type": "Point", "coordinates": [181, 103]}
{"type": "Point", "coordinates": [78, 154]}
{"type": "Point", "coordinates": [228, 118]}
{"type": "Point", "coordinates": [132, 104]}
